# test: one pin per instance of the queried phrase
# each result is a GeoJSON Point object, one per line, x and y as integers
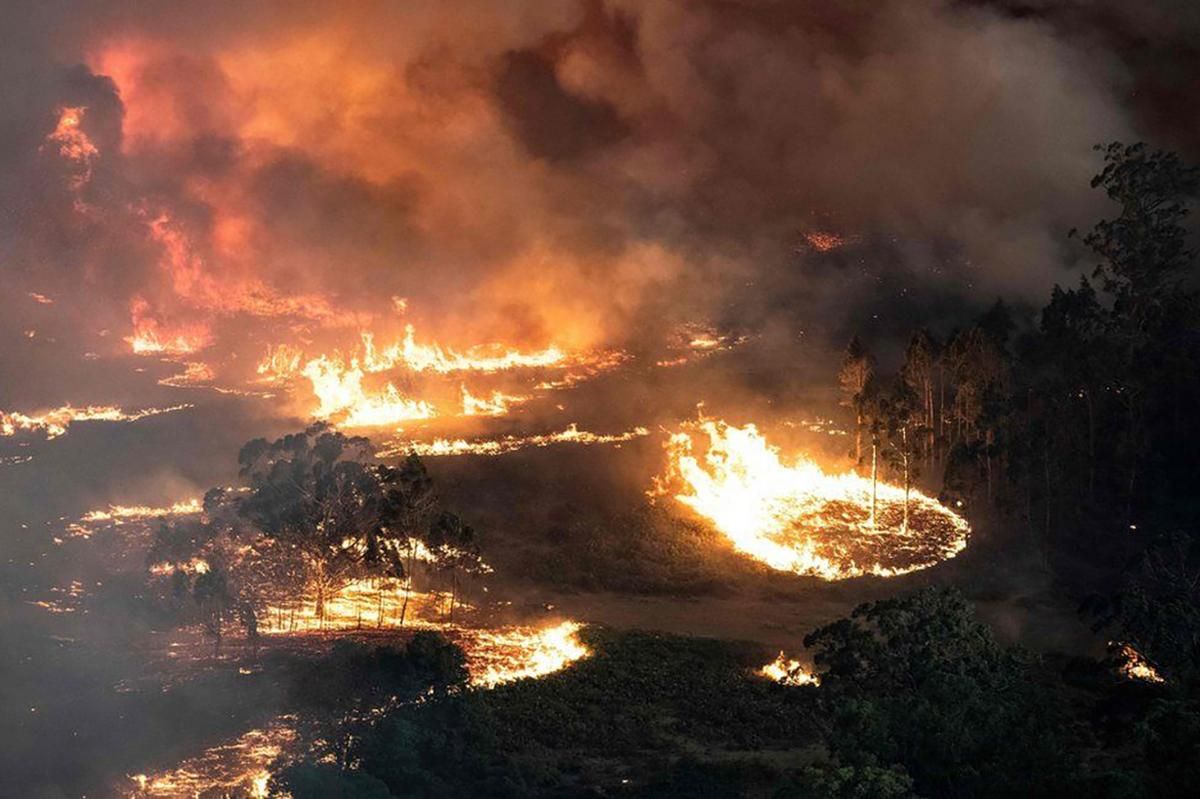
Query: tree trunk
{"type": "Point", "coordinates": [408, 579]}
{"type": "Point", "coordinates": [941, 411]}
{"type": "Point", "coordinates": [857, 440]}
{"type": "Point", "coordinates": [320, 609]}
{"type": "Point", "coordinates": [904, 443]}
{"type": "Point", "coordinates": [874, 477]}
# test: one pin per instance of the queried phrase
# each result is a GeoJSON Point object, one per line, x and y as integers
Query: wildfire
{"type": "Point", "coordinates": [339, 380]}
{"type": "Point", "coordinates": [1133, 665]}
{"type": "Point", "coordinates": [500, 446]}
{"type": "Point", "coordinates": [241, 767]}
{"type": "Point", "coordinates": [74, 144]}
{"type": "Point", "coordinates": [54, 423]}
{"type": "Point", "coordinates": [340, 391]}
{"type": "Point", "coordinates": [500, 656]}
{"type": "Point", "coordinates": [795, 517]}
{"type": "Point", "coordinates": [788, 671]}
{"type": "Point", "coordinates": [193, 566]}
{"type": "Point", "coordinates": [233, 769]}
{"type": "Point", "coordinates": [194, 373]}
{"type": "Point", "coordinates": [432, 357]}
{"type": "Point", "coordinates": [119, 514]}
{"type": "Point", "coordinates": [361, 604]}
{"type": "Point", "coordinates": [152, 337]}
{"type": "Point", "coordinates": [496, 405]}
{"type": "Point", "coordinates": [281, 363]}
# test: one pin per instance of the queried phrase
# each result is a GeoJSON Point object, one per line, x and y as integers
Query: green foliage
{"type": "Point", "coordinates": [1144, 250]}
{"type": "Point", "coordinates": [338, 695]}
{"type": "Point", "coordinates": [638, 705]}
{"type": "Point", "coordinates": [919, 684]}
{"type": "Point", "coordinates": [849, 782]}
{"type": "Point", "coordinates": [1157, 608]}
{"type": "Point", "coordinates": [326, 781]}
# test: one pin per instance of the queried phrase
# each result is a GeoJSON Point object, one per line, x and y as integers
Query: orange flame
{"type": "Point", "coordinates": [789, 671]}
{"type": "Point", "coordinates": [501, 446]}
{"type": "Point", "coordinates": [151, 337]}
{"type": "Point", "coordinates": [74, 144]}
{"type": "Point", "coordinates": [779, 513]}
{"type": "Point", "coordinates": [54, 423]}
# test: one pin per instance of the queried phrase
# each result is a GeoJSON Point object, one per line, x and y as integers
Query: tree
{"type": "Point", "coordinates": [858, 367]}
{"type": "Point", "coordinates": [454, 549]}
{"type": "Point", "coordinates": [211, 591]}
{"type": "Point", "coordinates": [920, 360]}
{"type": "Point", "coordinates": [1144, 250]}
{"type": "Point", "coordinates": [411, 506]}
{"type": "Point", "coordinates": [316, 494]}
{"type": "Point", "coordinates": [1144, 260]}
{"type": "Point", "coordinates": [343, 693]}
{"type": "Point", "coordinates": [903, 425]}
{"type": "Point", "coordinates": [204, 577]}
{"type": "Point", "coordinates": [916, 683]}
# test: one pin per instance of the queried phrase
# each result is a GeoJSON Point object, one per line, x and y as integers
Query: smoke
{"type": "Point", "coordinates": [571, 173]}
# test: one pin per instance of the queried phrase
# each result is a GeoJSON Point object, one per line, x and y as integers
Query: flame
{"type": "Point", "coordinates": [72, 142]}
{"type": "Point", "coordinates": [795, 517]}
{"type": "Point", "coordinates": [54, 423]}
{"type": "Point", "coordinates": [501, 446]}
{"type": "Point", "coordinates": [193, 566]}
{"type": "Point", "coordinates": [151, 337]}
{"type": "Point", "coordinates": [788, 671]}
{"type": "Point", "coordinates": [432, 357]}
{"type": "Point", "coordinates": [363, 603]}
{"type": "Point", "coordinates": [499, 656]}
{"type": "Point", "coordinates": [281, 363]}
{"type": "Point", "coordinates": [136, 513]}
{"type": "Point", "coordinates": [494, 657]}
{"type": "Point", "coordinates": [194, 373]}
{"type": "Point", "coordinates": [232, 768]}
{"type": "Point", "coordinates": [40, 299]}
{"type": "Point", "coordinates": [337, 380]}
{"type": "Point", "coordinates": [74, 145]}
{"type": "Point", "coordinates": [340, 392]}
{"type": "Point", "coordinates": [496, 405]}
{"type": "Point", "coordinates": [1133, 664]}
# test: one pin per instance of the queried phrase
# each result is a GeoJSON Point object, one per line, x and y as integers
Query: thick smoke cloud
{"type": "Point", "coordinates": [559, 171]}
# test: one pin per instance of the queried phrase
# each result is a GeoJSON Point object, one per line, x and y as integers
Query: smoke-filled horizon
{"type": "Point", "coordinates": [541, 174]}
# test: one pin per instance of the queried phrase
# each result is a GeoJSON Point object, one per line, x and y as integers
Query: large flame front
{"type": "Point", "coordinates": [795, 517]}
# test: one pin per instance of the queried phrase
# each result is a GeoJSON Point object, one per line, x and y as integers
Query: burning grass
{"type": "Point", "coordinates": [55, 422]}
{"type": "Point", "coordinates": [793, 516]}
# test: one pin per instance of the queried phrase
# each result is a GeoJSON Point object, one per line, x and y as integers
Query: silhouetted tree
{"type": "Point", "coordinates": [858, 367]}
